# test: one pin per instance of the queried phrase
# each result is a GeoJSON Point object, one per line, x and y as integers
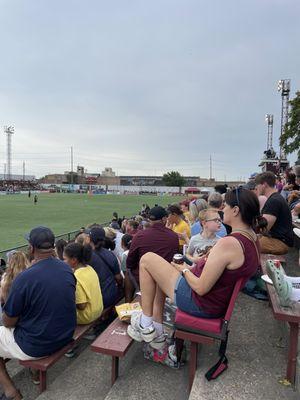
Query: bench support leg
{"type": "Point", "coordinates": [179, 347]}
{"type": "Point", "coordinates": [292, 356]}
{"type": "Point", "coordinates": [43, 380]}
{"type": "Point", "coordinates": [114, 369]}
{"type": "Point", "coordinates": [193, 363]}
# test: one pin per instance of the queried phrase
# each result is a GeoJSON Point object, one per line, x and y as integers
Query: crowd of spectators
{"type": "Point", "coordinates": [17, 186]}
{"type": "Point", "coordinates": [56, 285]}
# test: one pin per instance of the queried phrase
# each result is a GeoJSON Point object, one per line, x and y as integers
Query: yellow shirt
{"type": "Point", "coordinates": [182, 227]}
{"type": "Point", "coordinates": [187, 215]}
{"type": "Point", "coordinates": [88, 291]}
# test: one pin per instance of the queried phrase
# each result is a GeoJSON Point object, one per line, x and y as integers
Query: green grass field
{"type": "Point", "coordinates": [64, 212]}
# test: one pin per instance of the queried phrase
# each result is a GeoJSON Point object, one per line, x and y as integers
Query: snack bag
{"type": "Point", "coordinates": [125, 310]}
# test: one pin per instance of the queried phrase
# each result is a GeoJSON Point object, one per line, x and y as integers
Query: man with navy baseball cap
{"type": "Point", "coordinates": [39, 316]}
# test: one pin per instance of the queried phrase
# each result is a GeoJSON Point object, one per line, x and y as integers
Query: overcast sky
{"type": "Point", "coordinates": [144, 87]}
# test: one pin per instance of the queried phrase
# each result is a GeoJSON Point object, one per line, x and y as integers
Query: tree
{"type": "Point", "coordinates": [290, 139]}
{"type": "Point", "coordinates": [173, 178]}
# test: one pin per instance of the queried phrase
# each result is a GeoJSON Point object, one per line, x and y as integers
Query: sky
{"type": "Point", "coordinates": [144, 87]}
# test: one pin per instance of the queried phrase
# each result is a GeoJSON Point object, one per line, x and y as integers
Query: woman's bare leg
{"type": "Point", "coordinates": [154, 270]}
{"type": "Point", "coordinates": [158, 305]}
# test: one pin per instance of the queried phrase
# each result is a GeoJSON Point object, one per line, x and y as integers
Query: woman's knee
{"type": "Point", "coordinates": [148, 259]}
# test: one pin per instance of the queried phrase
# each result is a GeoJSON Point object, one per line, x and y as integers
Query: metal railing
{"type": "Point", "coordinates": [67, 236]}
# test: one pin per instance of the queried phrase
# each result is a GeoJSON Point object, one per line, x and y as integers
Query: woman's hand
{"type": "Point", "coordinates": [179, 267]}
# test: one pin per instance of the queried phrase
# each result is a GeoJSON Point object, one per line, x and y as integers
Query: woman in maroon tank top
{"type": "Point", "coordinates": [205, 290]}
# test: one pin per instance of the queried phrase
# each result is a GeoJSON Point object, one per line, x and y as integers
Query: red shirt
{"type": "Point", "coordinates": [216, 301]}
{"type": "Point", "coordinates": [157, 239]}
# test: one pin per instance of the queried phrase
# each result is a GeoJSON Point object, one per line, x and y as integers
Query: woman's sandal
{"type": "Point", "coordinates": [282, 286]}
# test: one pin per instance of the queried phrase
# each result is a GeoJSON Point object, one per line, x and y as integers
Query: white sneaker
{"type": "Point", "coordinates": [136, 332]}
{"type": "Point", "coordinates": [297, 232]}
{"type": "Point", "coordinates": [159, 342]}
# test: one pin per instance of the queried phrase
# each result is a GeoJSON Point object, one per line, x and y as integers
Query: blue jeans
{"type": "Point", "coordinates": [184, 301]}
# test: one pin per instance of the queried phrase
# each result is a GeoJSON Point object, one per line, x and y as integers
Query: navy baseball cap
{"type": "Point", "coordinates": [157, 213]}
{"type": "Point", "coordinates": [41, 237]}
{"type": "Point", "coordinates": [96, 234]}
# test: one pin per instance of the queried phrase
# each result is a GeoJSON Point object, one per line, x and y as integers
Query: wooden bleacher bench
{"type": "Point", "coordinates": [291, 315]}
{"type": "Point", "coordinates": [114, 342]}
{"type": "Point", "coordinates": [43, 364]}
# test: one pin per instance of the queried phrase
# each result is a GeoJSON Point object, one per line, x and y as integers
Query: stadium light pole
{"type": "Point", "coordinates": [9, 130]}
{"type": "Point", "coordinates": [269, 120]}
{"type": "Point", "coordinates": [284, 86]}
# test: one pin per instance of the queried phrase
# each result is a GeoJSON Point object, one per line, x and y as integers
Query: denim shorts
{"type": "Point", "coordinates": [183, 299]}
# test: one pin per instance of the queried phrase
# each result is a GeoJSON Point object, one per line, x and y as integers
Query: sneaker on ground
{"type": "Point", "coordinates": [35, 376]}
{"type": "Point", "coordinates": [297, 232]}
{"type": "Point", "coordinates": [159, 342]}
{"type": "Point", "coordinates": [70, 353]}
{"type": "Point", "coordinates": [136, 332]}
{"type": "Point", "coordinates": [90, 336]}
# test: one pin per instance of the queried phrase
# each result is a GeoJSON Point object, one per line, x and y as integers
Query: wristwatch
{"type": "Point", "coordinates": [184, 271]}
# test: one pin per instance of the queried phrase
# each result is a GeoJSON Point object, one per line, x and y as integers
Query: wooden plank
{"type": "Point", "coordinates": [44, 363]}
{"type": "Point", "coordinates": [114, 340]}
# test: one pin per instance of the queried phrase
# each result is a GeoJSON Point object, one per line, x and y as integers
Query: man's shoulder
{"type": "Point", "coordinates": [276, 201]}
{"type": "Point", "coordinates": [275, 198]}
{"type": "Point", "coordinates": [161, 230]}
{"type": "Point", "coordinates": [106, 255]}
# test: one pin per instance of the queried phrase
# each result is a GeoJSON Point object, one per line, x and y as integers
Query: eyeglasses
{"type": "Point", "coordinates": [214, 219]}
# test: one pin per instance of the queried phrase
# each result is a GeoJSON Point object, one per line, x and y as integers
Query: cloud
{"type": "Point", "coordinates": [145, 87]}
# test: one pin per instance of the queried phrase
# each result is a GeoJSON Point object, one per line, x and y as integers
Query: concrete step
{"type": "Point", "coordinates": [22, 378]}
{"type": "Point", "coordinates": [87, 378]}
{"type": "Point", "coordinates": [256, 362]}
{"type": "Point", "coordinates": [148, 380]}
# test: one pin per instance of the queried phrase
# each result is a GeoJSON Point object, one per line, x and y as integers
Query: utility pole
{"type": "Point", "coordinates": [72, 180]}
{"type": "Point", "coordinates": [23, 170]}
{"type": "Point", "coordinates": [210, 168]}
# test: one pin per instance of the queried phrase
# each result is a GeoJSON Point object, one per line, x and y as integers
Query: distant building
{"type": "Point", "coordinates": [108, 172]}
{"type": "Point", "coordinates": [108, 178]}
{"type": "Point", "coordinates": [153, 180]}
{"type": "Point", "coordinates": [53, 179]}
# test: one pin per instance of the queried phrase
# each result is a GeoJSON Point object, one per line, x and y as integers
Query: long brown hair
{"type": "Point", "coordinates": [17, 262]}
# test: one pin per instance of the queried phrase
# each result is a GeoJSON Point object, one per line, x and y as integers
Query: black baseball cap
{"type": "Point", "coordinates": [41, 237]}
{"type": "Point", "coordinates": [157, 213]}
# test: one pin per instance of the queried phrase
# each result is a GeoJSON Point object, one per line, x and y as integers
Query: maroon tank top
{"type": "Point", "coordinates": [216, 301]}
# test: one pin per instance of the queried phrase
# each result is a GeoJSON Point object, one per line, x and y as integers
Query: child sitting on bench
{"type": "Point", "coordinates": [89, 304]}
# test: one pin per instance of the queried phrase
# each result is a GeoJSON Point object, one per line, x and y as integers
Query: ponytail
{"type": "Point", "coordinates": [259, 224]}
